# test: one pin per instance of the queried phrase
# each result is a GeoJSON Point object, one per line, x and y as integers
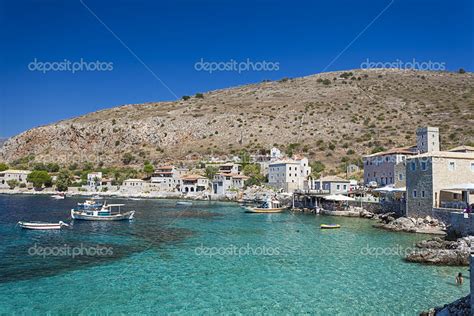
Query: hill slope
{"type": "Point", "coordinates": [326, 119]}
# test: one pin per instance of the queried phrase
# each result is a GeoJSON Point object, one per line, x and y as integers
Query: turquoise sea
{"type": "Point", "coordinates": [209, 258]}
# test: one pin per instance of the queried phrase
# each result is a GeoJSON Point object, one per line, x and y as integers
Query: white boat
{"type": "Point", "coordinates": [42, 225]}
{"type": "Point", "coordinates": [184, 203]}
{"type": "Point", "coordinates": [108, 212]}
{"type": "Point", "coordinates": [270, 206]}
{"type": "Point", "coordinates": [58, 196]}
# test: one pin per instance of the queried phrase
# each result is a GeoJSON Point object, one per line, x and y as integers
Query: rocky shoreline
{"type": "Point", "coordinates": [427, 225]}
{"type": "Point", "coordinates": [460, 307]}
{"type": "Point", "coordinates": [442, 252]}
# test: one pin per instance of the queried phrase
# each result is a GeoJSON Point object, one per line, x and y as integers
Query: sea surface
{"type": "Point", "coordinates": [209, 258]}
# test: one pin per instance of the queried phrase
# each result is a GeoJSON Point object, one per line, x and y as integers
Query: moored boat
{"type": "Point", "coordinates": [270, 206]}
{"type": "Point", "coordinates": [59, 196]}
{"type": "Point", "coordinates": [108, 212]}
{"type": "Point", "coordinates": [42, 225]}
{"type": "Point", "coordinates": [330, 226]}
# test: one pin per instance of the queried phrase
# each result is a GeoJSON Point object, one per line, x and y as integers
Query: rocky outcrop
{"type": "Point", "coordinates": [427, 225]}
{"type": "Point", "coordinates": [461, 307]}
{"type": "Point", "coordinates": [442, 252]}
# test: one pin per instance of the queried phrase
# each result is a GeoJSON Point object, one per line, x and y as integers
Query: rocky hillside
{"type": "Point", "coordinates": [331, 117]}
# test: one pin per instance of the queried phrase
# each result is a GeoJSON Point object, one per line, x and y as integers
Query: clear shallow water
{"type": "Point", "coordinates": [162, 263]}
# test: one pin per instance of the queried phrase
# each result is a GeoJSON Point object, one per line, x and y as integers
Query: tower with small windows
{"type": "Point", "coordinates": [427, 139]}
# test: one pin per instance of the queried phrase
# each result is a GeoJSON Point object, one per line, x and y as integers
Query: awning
{"type": "Point", "coordinates": [461, 187]}
{"type": "Point", "coordinates": [338, 197]}
{"type": "Point", "coordinates": [388, 188]}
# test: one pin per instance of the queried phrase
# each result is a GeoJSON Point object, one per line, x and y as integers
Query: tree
{"type": "Point", "coordinates": [253, 172]}
{"type": "Point", "coordinates": [316, 168]}
{"type": "Point", "coordinates": [52, 167]}
{"type": "Point", "coordinates": [186, 97]}
{"type": "Point", "coordinates": [461, 71]}
{"type": "Point", "coordinates": [199, 96]}
{"type": "Point", "coordinates": [3, 166]}
{"type": "Point", "coordinates": [211, 171]}
{"type": "Point", "coordinates": [39, 178]}
{"type": "Point", "coordinates": [148, 169]}
{"type": "Point", "coordinates": [127, 158]}
{"type": "Point", "coordinates": [244, 158]}
{"type": "Point", "coordinates": [12, 183]}
{"type": "Point", "coordinates": [64, 180]}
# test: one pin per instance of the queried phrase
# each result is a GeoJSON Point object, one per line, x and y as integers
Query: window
{"type": "Point", "coordinates": [423, 194]}
{"type": "Point", "coordinates": [414, 193]}
{"type": "Point", "coordinates": [423, 165]}
{"type": "Point", "coordinates": [338, 187]}
{"type": "Point", "coordinates": [451, 166]}
{"type": "Point", "coordinates": [400, 176]}
{"type": "Point", "coordinates": [472, 166]}
{"type": "Point", "coordinates": [413, 166]}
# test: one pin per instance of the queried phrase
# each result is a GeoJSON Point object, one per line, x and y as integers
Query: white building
{"type": "Point", "coordinates": [230, 168]}
{"type": "Point", "coordinates": [225, 183]}
{"type": "Point", "coordinates": [18, 175]}
{"type": "Point", "coordinates": [94, 180]}
{"type": "Point", "coordinates": [289, 175]}
{"type": "Point", "coordinates": [275, 153]}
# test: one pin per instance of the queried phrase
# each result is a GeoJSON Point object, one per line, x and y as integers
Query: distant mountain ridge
{"type": "Point", "coordinates": [332, 117]}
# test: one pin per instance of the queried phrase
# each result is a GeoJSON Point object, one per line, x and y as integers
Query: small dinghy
{"type": "Point", "coordinates": [59, 196]}
{"type": "Point", "coordinates": [42, 225]}
{"type": "Point", "coordinates": [184, 203]}
{"type": "Point", "coordinates": [330, 226]}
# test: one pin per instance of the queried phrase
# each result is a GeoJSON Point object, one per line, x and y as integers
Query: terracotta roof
{"type": "Point", "coordinates": [165, 167]}
{"type": "Point", "coordinates": [192, 177]}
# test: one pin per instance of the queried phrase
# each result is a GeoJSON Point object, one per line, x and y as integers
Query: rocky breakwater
{"type": "Point", "coordinates": [425, 225]}
{"type": "Point", "coordinates": [442, 252]}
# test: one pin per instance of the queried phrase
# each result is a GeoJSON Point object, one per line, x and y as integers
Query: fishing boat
{"type": "Point", "coordinates": [330, 226]}
{"type": "Point", "coordinates": [42, 225]}
{"type": "Point", "coordinates": [184, 203]}
{"type": "Point", "coordinates": [59, 196]}
{"type": "Point", "coordinates": [108, 212]}
{"type": "Point", "coordinates": [270, 206]}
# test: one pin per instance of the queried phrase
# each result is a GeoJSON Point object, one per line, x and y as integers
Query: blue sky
{"type": "Point", "coordinates": [166, 38]}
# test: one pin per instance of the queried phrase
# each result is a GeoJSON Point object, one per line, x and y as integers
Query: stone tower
{"type": "Point", "coordinates": [427, 139]}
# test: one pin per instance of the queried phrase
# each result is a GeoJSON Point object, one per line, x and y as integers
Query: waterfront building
{"type": "Point", "coordinates": [18, 175]}
{"type": "Point", "coordinates": [94, 181]}
{"type": "Point", "coordinates": [275, 153]}
{"type": "Point", "coordinates": [463, 149]}
{"type": "Point", "coordinates": [194, 183]}
{"type": "Point", "coordinates": [331, 185]}
{"type": "Point", "coordinates": [133, 186]}
{"type": "Point", "coordinates": [436, 180]}
{"type": "Point", "coordinates": [225, 183]}
{"type": "Point", "coordinates": [167, 178]}
{"type": "Point", "coordinates": [289, 175]}
{"type": "Point", "coordinates": [380, 168]}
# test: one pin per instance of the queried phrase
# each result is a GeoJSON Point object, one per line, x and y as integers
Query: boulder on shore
{"type": "Point", "coordinates": [426, 225]}
{"type": "Point", "coordinates": [442, 252]}
{"type": "Point", "coordinates": [460, 307]}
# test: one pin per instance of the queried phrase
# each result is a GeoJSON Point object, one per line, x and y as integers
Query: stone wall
{"type": "Point", "coordinates": [458, 225]}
